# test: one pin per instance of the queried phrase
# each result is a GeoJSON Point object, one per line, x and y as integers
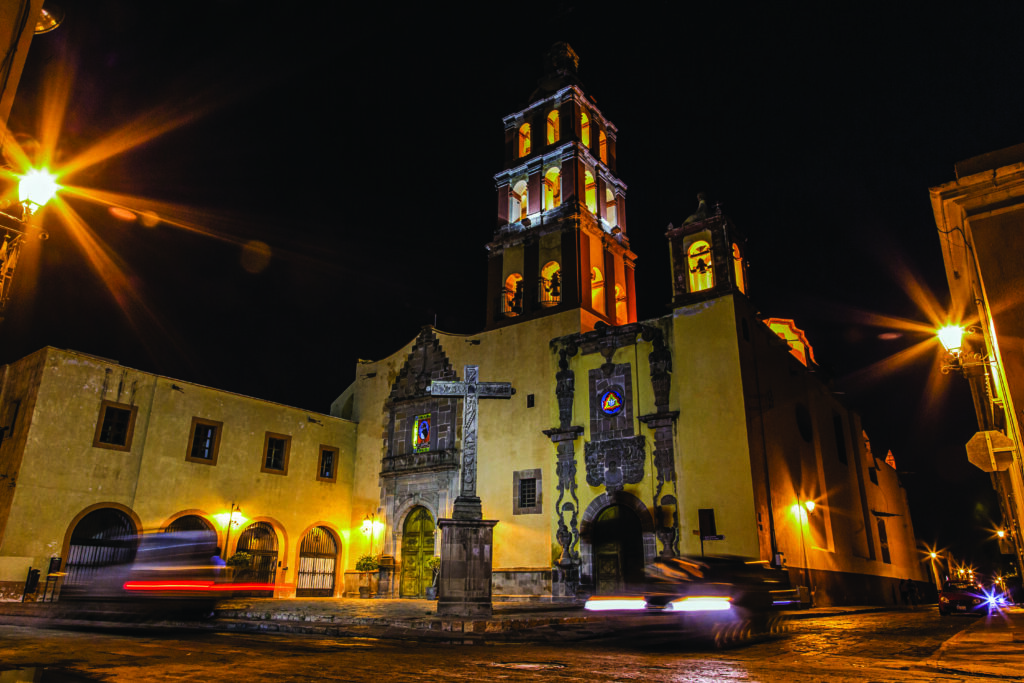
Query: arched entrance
{"type": "Point", "coordinates": [260, 541]}
{"type": "Point", "coordinates": [190, 523]}
{"type": "Point", "coordinates": [318, 556]}
{"type": "Point", "coordinates": [102, 538]}
{"type": "Point", "coordinates": [417, 548]}
{"type": "Point", "coordinates": [618, 550]}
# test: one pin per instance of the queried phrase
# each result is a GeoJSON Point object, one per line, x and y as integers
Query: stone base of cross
{"type": "Point", "coordinates": [464, 585]}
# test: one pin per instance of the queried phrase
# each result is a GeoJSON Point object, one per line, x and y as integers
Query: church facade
{"type": "Point", "coordinates": [702, 431]}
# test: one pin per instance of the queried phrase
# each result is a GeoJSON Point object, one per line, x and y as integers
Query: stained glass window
{"type": "Point", "coordinates": [611, 402]}
{"type": "Point", "coordinates": [421, 433]}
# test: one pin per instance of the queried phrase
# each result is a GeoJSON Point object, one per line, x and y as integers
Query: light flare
{"type": "Point", "coordinates": [700, 603]}
{"type": "Point", "coordinates": [603, 604]}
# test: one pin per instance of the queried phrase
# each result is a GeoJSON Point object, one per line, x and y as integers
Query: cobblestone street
{"type": "Point", "coordinates": [889, 646]}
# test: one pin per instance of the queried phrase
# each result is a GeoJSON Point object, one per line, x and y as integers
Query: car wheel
{"type": "Point", "coordinates": [943, 613]}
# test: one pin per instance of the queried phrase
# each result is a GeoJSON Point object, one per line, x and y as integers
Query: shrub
{"type": "Point", "coordinates": [367, 563]}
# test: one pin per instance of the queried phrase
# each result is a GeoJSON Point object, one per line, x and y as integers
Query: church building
{"type": "Point", "coordinates": [704, 431]}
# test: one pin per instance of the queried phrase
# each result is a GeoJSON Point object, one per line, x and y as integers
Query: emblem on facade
{"type": "Point", "coordinates": [612, 463]}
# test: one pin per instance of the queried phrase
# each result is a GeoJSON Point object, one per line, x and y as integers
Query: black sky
{"type": "Point", "coordinates": [360, 145]}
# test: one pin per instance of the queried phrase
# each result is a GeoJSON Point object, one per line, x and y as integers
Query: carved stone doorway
{"type": "Point", "coordinates": [417, 549]}
{"type": "Point", "coordinates": [618, 550]}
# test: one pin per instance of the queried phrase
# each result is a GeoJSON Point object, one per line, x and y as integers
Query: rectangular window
{"type": "Point", "coordinates": [526, 493]}
{"type": "Point", "coordinates": [115, 426]}
{"type": "Point", "coordinates": [276, 448]}
{"type": "Point", "coordinates": [204, 441]}
{"type": "Point", "coordinates": [883, 540]}
{"type": "Point", "coordinates": [328, 467]}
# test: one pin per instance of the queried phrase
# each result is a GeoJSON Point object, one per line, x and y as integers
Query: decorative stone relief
{"type": "Point", "coordinates": [565, 573]}
{"type": "Point", "coordinates": [615, 462]}
{"type": "Point", "coordinates": [662, 423]}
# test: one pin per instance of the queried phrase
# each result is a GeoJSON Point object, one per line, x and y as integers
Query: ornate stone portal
{"type": "Point", "coordinates": [467, 539]}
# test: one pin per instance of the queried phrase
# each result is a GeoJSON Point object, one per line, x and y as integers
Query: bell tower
{"type": "Point", "coordinates": [560, 243]}
{"type": "Point", "coordinates": [707, 256]}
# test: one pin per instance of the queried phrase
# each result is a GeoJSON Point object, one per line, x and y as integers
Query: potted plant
{"type": "Point", "coordinates": [366, 565]}
{"type": "Point", "coordinates": [240, 566]}
{"type": "Point", "coordinates": [434, 565]}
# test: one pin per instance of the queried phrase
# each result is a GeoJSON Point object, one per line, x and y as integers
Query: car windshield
{"type": "Point", "coordinates": [959, 586]}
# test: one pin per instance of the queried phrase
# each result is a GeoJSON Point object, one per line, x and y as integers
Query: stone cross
{"type": "Point", "coordinates": [467, 505]}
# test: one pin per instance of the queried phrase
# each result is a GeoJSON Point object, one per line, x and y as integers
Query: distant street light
{"type": "Point", "coordinates": [933, 556]}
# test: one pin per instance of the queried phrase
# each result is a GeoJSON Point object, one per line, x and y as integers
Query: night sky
{"type": "Point", "coordinates": [359, 146]}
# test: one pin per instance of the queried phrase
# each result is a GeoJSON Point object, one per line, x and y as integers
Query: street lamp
{"type": "Point", "coordinates": [952, 339]}
{"type": "Point", "coordinates": [932, 557]}
{"type": "Point", "coordinates": [233, 518]}
{"type": "Point", "coordinates": [801, 509]}
{"type": "Point", "coordinates": [35, 189]}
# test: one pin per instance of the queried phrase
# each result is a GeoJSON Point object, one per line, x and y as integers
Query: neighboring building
{"type": "Point", "coordinates": [625, 440]}
{"type": "Point", "coordinates": [980, 217]}
{"type": "Point", "coordinates": [706, 430]}
{"type": "Point", "coordinates": [93, 452]}
{"type": "Point", "coordinates": [18, 20]}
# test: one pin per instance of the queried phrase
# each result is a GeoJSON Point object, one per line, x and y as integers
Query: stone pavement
{"type": "Point", "coordinates": [991, 646]}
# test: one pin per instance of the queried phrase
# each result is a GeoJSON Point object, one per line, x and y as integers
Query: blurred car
{"type": "Point", "coordinates": [969, 597]}
{"type": "Point", "coordinates": [169, 573]}
{"type": "Point", "coordinates": [726, 598]}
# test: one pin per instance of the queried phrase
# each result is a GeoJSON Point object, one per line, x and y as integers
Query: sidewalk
{"type": "Point", "coordinates": [992, 647]}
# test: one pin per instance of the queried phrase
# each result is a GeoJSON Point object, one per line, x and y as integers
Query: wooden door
{"type": "Point", "coordinates": [417, 548]}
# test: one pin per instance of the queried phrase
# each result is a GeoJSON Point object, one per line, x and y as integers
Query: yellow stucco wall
{"type": "Point", "coordinates": [712, 449]}
{"type": "Point", "coordinates": [62, 473]}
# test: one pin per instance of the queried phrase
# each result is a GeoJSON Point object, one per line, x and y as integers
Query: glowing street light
{"type": "Point", "coordinates": [36, 187]}
{"type": "Point", "coordinates": [952, 338]}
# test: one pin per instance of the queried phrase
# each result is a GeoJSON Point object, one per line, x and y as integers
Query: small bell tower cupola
{"type": "Point", "coordinates": [560, 242]}
{"type": "Point", "coordinates": [707, 256]}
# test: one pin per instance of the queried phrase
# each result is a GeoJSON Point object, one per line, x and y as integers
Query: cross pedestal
{"type": "Point", "coordinates": [464, 585]}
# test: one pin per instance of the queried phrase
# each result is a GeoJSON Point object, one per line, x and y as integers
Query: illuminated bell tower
{"type": "Point", "coordinates": [560, 243]}
{"type": "Point", "coordinates": [707, 256]}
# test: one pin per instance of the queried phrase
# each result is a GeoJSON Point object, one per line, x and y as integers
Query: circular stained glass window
{"type": "Point", "coordinates": [611, 402]}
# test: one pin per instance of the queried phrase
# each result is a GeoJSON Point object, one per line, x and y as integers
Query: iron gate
{"type": "Point", "coordinates": [317, 557]}
{"type": "Point", "coordinates": [102, 538]}
{"type": "Point", "coordinates": [260, 541]}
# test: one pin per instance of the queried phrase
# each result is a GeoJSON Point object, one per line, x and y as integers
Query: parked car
{"type": "Point", "coordinates": [969, 597]}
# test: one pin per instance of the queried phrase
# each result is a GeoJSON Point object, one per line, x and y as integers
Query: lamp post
{"type": "Point", "coordinates": [932, 556]}
{"type": "Point", "coordinates": [802, 509]}
{"type": "Point", "coordinates": [996, 448]}
{"type": "Point", "coordinates": [35, 189]}
{"type": "Point", "coordinates": [235, 509]}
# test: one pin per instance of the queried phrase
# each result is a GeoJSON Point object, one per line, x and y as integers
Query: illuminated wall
{"type": "Point", "coordinates": [61, 471]}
